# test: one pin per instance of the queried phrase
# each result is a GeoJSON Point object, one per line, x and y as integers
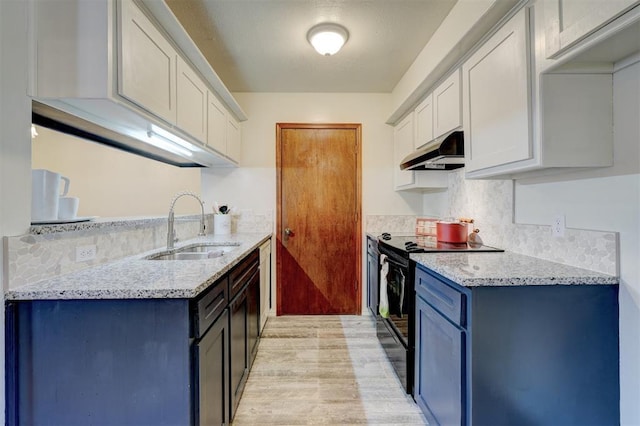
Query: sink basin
{"type": "Point", "coordinates": [185, 256]}
{"type": "Point", "coordinates": [208, 247]}
{"type": "Point", "coordinates": [195, 252]}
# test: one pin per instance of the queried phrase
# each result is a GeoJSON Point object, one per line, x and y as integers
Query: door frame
{"type": "Point", "coordinates": [358, 222]}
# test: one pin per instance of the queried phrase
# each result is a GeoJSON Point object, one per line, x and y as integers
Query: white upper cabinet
{"type": "Point", "coordinates": [520, 121]}
{"type": "Point", "coordinates": [234, 139]}
{"type": "Point", "coordinates": [403, 144]}
{"type": "Point", "coordinates": [497, 98]}
{"type": "Point", "coordinates": [440, 112]}
{"type": "Point", "coordinates": [446, 109]}
{"type": "Point", "coordinates": [191, 102]}
{"type": "Point", "coordinates": [424, 122]}
{"type": "Point", "coordinates": [125, 65]}
{"type": "Point", "coordinates": [147, 66]}
{"type": "Point", "coordinates": [569, 21]}
{"type": "Point", "coordinates": [216, 124]}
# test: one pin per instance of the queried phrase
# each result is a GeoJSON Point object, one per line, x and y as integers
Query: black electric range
{"type": "Point", "coordinates": [405, 244]}
{"type": "Point", "coordinates": [395, 329]}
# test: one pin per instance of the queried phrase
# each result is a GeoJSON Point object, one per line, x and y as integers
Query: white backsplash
{"type": "Point", "coordinates": [249, 221]}
{"type": "Point", "coordinates": [377, 224]}
{"type": "Point", "coordinates": [49, 251]}
{"type": "Point", "coordinates": [491, 204]}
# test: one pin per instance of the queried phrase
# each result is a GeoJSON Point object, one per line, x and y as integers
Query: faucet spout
{"type": "Point", "coordinates": [171, 233]}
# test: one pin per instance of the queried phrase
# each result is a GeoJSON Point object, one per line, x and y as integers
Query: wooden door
{"type": "Point", "coordinates": [318, 261]}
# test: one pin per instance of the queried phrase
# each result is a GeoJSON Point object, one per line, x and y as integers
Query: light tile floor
{"type": "Point", "coordinates": [327, 370]}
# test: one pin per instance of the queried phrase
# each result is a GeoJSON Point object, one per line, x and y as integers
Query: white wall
{"type": "Point", "coordinates": [606, 199]}
{"type": "Point", "coordinates": [111, 182]}
{"type": "Point", "coordinates": [15, 148]}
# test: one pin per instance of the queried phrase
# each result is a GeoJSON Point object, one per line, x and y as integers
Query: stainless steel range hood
{"type": "Point", "coordinates": [446, 153]}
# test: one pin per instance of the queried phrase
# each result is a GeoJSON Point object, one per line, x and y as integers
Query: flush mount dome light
{"type": "Point", "coordinates": [327, 39]}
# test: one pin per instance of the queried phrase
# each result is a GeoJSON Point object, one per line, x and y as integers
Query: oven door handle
{"type": "Point", "coordinates": [390, 260]}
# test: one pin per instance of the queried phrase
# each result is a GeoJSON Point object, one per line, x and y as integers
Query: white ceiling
{"type": "Point", "coordinates": [261, 45]}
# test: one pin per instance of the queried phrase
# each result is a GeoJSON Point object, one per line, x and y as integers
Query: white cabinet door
{"type": "Point", "coordinates": [234, 141]}
{"type": "Point", "coordinates": [569, 21]}
{"type": "Point", "coordinates": [424, 122]}
{"type": "Point", "coordinates": [265, 281]}
{"type": "Point", "coordinates": [147, 66]}
{"type": "Point", "coordinates": [191, 102]}
{"type": "Point", "coordinates": [216, 124]}
{"type": "Point", "coordinates": [446, 101]}
{"type": "Point", "coordinates": [402, 146]}
{"type": "Point", "coordinates": [496, 98]}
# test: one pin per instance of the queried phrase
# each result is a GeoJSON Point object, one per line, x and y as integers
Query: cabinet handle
{"type": "Point", "coordinates": [210, 312]}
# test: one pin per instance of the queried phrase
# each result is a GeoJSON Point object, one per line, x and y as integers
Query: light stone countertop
{"type": "Point", "coordinates": [109, 223]}
{"type": "Point", "coordinates": [507, 269]}
{"type": "Point", "coordinates": [134, 277]}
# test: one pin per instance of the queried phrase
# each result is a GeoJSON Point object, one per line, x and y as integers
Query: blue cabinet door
{"type": "Point", "coordinates": [440, 373]}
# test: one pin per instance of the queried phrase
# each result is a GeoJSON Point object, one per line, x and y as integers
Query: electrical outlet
{"type": "Point", "coordinates": [84, 253]}
{"type": "Point", "coordinates": [557, 227]}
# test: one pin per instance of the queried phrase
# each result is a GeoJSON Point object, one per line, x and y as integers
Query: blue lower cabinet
{"type": "Point", "coordinates": [133, 361]}
{"type": "Point", "coordinates": [118, 362]}
{"type": "Point", "coordinates": [440, 375]}
{"type": "Point", "coordinates": [516, 355]}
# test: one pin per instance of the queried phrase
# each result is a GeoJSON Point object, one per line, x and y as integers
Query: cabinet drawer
{"type": "Point", "coordinates": [210, 306]}
{"type": "Point", "coordinates": [447, 300]}
{"type": "Point", "coordinates": [243, 272]}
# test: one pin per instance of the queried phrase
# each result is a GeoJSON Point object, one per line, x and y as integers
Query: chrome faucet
{"type": "Point", "coordinates": [171, 232]}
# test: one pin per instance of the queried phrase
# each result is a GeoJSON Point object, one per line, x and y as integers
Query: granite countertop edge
{"type": "Point", "coordinates": [507, 269]}
{"type": "Point", "coordinates": [135, 277]}
{"type": "Point", "coordinates": [108, 224]}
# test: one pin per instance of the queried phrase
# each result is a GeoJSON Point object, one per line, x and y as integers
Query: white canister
{"type": "Point", "coordinates": [222, 224]}
{"type": "Point", "coordinates": [68, 208]}
{"type": "Point", "coordinates": [45, 191]}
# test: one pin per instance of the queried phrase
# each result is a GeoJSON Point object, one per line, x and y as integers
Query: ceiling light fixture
{"type": "Point", "coordinates": [327, 38]}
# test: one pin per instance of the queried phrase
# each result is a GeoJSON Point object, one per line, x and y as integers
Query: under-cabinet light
{"type": "Point", "coordinates": [166, 140]}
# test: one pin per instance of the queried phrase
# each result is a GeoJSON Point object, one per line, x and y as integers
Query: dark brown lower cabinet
{"type": "Point", "coordinates": [244, 281]}
{"type": "Point", "coordinates": [212, 357]}
{"type": "Point", "coordinates": [239, 345]}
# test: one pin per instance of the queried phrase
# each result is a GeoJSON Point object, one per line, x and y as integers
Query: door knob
{"type": "Point", "coordinates": [288, 232]}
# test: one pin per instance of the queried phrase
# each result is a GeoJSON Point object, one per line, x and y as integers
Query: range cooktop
{"type": "Point", "coordinates": [429, 244]}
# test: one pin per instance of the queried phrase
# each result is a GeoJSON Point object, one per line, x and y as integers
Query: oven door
{"type": "Point", "coordinates": [396, 332]}
{"type": "Point", "coordinates": [399, 288]}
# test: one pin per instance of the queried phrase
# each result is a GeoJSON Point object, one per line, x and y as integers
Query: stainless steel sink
{"type": "Point", "coordinates": [183, 256]}
{"type": "Point", "coordinates": [195, 252]}
{"type": "Point", "coordinates": [207, 247]}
